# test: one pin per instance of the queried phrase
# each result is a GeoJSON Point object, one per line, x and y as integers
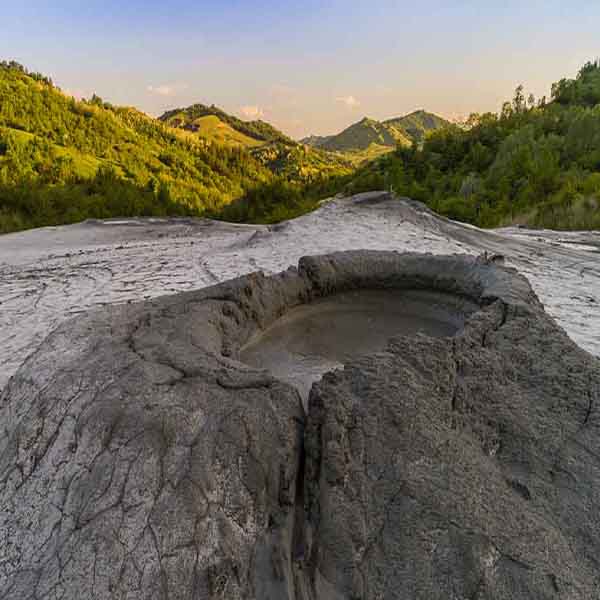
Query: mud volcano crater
{"type": "Point", "coordinates": [162, 451]}
{"type": "Point", "coordinates": [314, 338]}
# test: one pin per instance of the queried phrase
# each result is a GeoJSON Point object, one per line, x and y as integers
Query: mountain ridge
{"type": "Point", "coordinates": [390, 133]}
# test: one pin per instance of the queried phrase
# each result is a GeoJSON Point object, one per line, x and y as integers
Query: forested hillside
{"type": "Point", "coordinates": [191, 119]}
{"type": "Point", "coordinates": [535, 163]}
{"type": "Point", "coordinates": [286, 159]}
{"type": "Point", "coordinates": [417, 125]}
{"type": "Point", "coordinates": [63, 160]}
{"type": "Point", "coordinates": [370, 138]}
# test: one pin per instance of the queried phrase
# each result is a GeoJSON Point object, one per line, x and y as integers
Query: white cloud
{"type": "Point", "coordinates": [349, 101]}
{"type": "Point", "coordinates": [252, 112]}
{"type": "Point", "coordinates": [171, 89]}
{"type": "Point", "coordinates": [77, 93]}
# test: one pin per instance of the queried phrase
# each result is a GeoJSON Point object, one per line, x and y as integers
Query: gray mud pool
{"type": "Point", "coordinates": [314, 338]}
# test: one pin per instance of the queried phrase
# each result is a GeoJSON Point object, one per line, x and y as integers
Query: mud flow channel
{"type": "Point", "coordinates": [315, 338]}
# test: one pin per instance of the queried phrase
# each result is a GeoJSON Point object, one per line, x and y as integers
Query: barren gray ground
{"type": "Point", "coordinates": [140, 459]}
{"type": "Point", "coordinates": [48, 275]}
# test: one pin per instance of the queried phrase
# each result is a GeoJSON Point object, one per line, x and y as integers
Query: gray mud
{"type": "Point", "coordinates": [315, 338]}
{"type": "Point", "coordinates": [49, 275]}
{"type": "Point", "coordinates": [140, 459]}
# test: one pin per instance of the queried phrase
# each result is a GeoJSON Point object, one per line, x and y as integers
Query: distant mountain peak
{"type": "Point", "coordinates": [369, 132]}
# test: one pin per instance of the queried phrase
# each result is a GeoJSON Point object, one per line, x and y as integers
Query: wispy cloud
{"type": "Point", "coordinates": [252, 112]}
{"type": "Point", "coordinates": [349, 101]}
{"type": "Point", "coordinates": [170, 89]}
{"type": "Point", "coordinates": [77, 93]}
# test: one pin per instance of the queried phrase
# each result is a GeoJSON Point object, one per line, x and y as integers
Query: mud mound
{"type": "Point", "coordinates": [141, 458]}
{"type": "Point", "coordinates": [49, 275]}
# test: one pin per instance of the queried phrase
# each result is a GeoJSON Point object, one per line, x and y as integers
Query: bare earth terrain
{"type": "Point", "coordinates": [51, 274]}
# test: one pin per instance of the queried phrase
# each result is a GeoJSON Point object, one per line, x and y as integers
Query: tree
{"type": "Point", "coordinates": [519, 105]}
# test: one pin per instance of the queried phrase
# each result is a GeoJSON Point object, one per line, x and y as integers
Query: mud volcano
{"type": "Point", "coordinates": [455, 455]}
{"type": "Point", "coordinates": [315, 338]}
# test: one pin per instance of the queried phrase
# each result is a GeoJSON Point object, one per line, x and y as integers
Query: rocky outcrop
{"type": "Point", "coordinates": [139, 458]}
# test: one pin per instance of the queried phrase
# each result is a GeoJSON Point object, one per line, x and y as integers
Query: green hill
{"type": "Point", "coordinates": [534, 163]}
{"type": "Point", "coordinates": [369, 138]}
{"type": "Point", "coordinates": [416, 125]}
{"type": "Point", "coordinates": [285, 158]}
{"type": "Point", "coordinates": [211, 129]}
{"type": "Point", "coordinates": [315, 140]}
{"type": "Point", "coordinates": [303, 177]}
{"type": "Point", "coordinates": [250, 133]}
{"type": "Point", "coordinates": [63, 160]}
{"type": "Point", "coordinates": [360, 136]}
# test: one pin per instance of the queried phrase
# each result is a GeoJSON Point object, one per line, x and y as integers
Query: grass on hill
{"type": "Point", "coordinates": [368, 135]}
{"type": "Point", "coordinates": [260, 131]}
{"type": "Point", "coordinates": [416, 125]}
{"type": "Point", "coordinates": [52, 148]}
{"type": "Point", "coordinates": [214, 131]}
{"type": "Point", "coordinates": [63, 160]}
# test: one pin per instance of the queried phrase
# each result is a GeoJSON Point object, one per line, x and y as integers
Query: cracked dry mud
{"type": "Point", "coordinates": [48, 275]}
{"type": "Point", "coordinates": [140, 458]}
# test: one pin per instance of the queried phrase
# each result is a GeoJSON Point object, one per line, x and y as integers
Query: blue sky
{"type": "Point", "coordinates": [308, 67]}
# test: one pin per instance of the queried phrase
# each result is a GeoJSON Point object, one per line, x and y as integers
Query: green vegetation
{"type": "Point", "coordinates": [417, 125]}
{"type": "Point", "coordinates": [370, 153]}
{"type": "Point", "coordinates": [302, 165]}
{"type": "Point", "coordinates": [187, 119]}
{"type": "Point", "coordinates": [281, 200]}
{"type": "Point", "coordinates": [369, 138]}
{"type": "Point", "coordinates": [214, 131]}
{"type": "Point", "coordinates": [62, 160]}
{"type": "Point", "coordinates": [536, 163]}
{"type": "Point", "coordinates": [289, 161]}
{"type": "Point", "coordinates": [361, 135]}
